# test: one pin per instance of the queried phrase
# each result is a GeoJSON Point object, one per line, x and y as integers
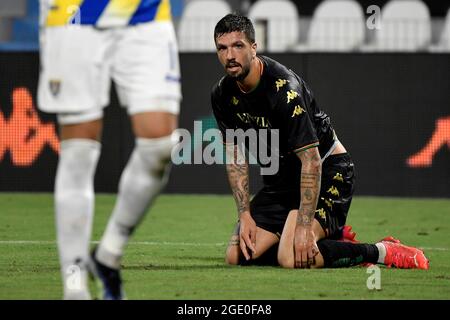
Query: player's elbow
{"type": "Point", "coordinates": [312, 167]}
{"type": "Point", "coordinates": [315, 165]}
{"type": "Point", "coordinates": [311, 161]}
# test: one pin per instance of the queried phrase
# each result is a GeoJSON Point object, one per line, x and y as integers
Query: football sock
{"type": "Point", "coordinates": [74, 206]}
{"type": "Point", "coordinates": [382, 252]}
{"type": "Point", "coordinates": [338, 254]}
{"type": "Point", "coordinates": [142, 180]}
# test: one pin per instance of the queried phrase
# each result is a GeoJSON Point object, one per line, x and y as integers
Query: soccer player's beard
{"type": "Point", "coordinates": [245, 71]}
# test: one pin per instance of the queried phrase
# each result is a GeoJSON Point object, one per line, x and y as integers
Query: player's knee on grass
{"type": "Point", "coordinates": [234, 257]}
{"type": "Point", "coordinates": [285, 255]}
{"type": "Point", "coordinates": [286, 259]}
{"type": "Point", "coordinates": [266, 258]}
{"type": "Point", "coordinates": [233, 254]}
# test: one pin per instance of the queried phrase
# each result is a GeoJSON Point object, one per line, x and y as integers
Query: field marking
{"type": "Point", "coordinates": [146, 243]}
{"type": "Point", "coordinates": [159, 243]}
{"type": "Point", "coordinates": [435, 249]}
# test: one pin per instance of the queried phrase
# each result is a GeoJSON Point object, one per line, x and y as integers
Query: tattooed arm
{"type": "Point", "coordinates": [304, 240]}
{"type": "Point", "coordinates": [237, 170]}
{"type": "Point", "coordinates": [238, 177]}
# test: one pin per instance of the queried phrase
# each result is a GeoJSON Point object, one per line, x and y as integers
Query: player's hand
{"type": "Point", "coordinates": [305, 247]}
{"type": "Point", "coordinates": [247, 234]}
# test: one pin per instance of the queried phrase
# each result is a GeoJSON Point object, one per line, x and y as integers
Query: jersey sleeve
{"type": "Point", "coordinates": [293, 109]}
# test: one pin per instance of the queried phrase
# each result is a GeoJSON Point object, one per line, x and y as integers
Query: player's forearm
{"type": "Point", "coordinates": [238, 177]}
{"type": "Point", "coordinates": [309, 185]}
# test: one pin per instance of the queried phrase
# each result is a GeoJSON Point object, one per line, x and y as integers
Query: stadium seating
{"type": "Point", "coordinates": [10, 9]}
{"type": "Point", "coordinates": [26, 29]}
{"type": "Point", "coordinates": [405, 26]}
{"type": "Point", "coordinates": [276, 24]}
{"type": "Point", "coordinates": [196, 26]}
{"type": "Point", "coordinates": [329, 25]}
{"type": "Point", "coordinates": [444, 41]}
{"type": "Point", "coordinates": [19, 23]}
{"type": "Point", "coordinates": [337, 25]}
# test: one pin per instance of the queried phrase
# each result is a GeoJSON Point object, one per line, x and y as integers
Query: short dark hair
{"type": "Point", "coordinates": [234, 22]}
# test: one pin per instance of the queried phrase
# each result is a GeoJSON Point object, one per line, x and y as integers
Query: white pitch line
{"type": "Point", "coordinates": [434, 249]}
{"type": "Point", "coordinates": [158, 243]}
{"type": "Point", "coordinates": [187, 244]}
{"type": "Point", "coordinates": [145, 243]}
{"type": "Point", "coordinates": [27, 242]}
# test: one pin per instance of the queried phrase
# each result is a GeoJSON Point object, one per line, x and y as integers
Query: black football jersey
{"type": "Point", "coordinates": [282, 101]}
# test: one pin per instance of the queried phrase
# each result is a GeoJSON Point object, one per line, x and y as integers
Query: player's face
{"type": "Point", "coordinates": [235, 53]}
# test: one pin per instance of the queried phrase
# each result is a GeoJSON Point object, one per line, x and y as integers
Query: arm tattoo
{"type": "Point", "coordinates": [238, 178]}
{"type": "Point", "coordinates": [309, 185]}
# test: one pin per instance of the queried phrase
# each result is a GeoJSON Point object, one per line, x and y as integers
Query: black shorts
{"type": "Point", "coordinates": [270, 209]}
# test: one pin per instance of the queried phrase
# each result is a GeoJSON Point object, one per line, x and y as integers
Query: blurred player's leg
{"type": "Point", "coordinates": [74, 83]}
{"type": "Point", "coordinates": [143, 178]}
{"type": "Point", "coordinates": [74, 203]}
{"type": "Point", "coordinates": [147, 74]}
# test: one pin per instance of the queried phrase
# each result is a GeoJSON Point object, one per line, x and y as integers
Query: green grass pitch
{"type": "Point", "coordinates": [178, 252]}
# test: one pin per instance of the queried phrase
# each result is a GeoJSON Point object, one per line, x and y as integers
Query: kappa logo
{"type": "Point", "coordinates": [55, 86]}
{"type": "Point", "coordinates": [280, 83]}
{"type": "Point", "coordinates": [322, 213]}
{"type": "Point", "coordinates": [338, 177]}
{"type": "Point", "coordinates": [334, 191]}
{"type": "Point", "coordinates": [439, 139]}
{"type": "Point", "coordinates": [298, 110]}
{"type": "Point", "coordinates": [234, 101]}
{"type": "Point", "coordinates": [291, 95]}
{"type": "Point", "coordinates": [23, 134]}
{"type": "Point", "coordinates": [328, 202]}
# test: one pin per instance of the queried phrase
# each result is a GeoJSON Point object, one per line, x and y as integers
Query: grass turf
{"type": "Point", "coordinates": [178, 252]}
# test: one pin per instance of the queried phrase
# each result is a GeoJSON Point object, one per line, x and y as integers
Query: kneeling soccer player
{"type": "Point", "coordinates": [303, 207]}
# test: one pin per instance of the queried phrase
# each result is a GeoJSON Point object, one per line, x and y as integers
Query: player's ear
{"type": "Point", "coordinates": [254, 48]}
